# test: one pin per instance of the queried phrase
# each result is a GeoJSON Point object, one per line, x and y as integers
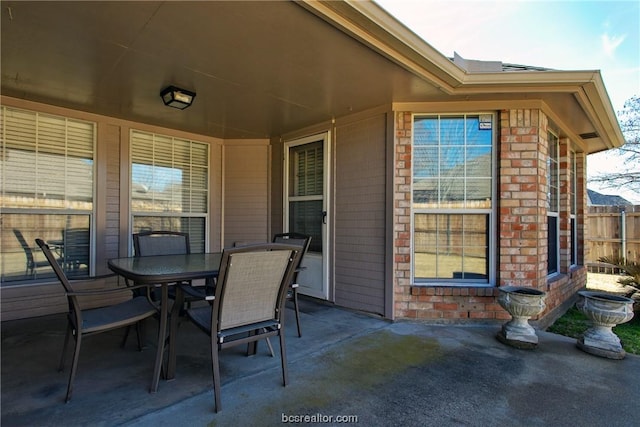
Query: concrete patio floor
{"type": "Point", "coordinates": [346, 364]}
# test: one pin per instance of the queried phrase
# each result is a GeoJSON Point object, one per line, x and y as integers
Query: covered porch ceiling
{"type": "Point", "coordinates": [260, 69]}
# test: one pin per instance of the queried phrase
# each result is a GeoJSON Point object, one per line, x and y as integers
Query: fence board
{"type": "Point", "coordinates": [609, 235]}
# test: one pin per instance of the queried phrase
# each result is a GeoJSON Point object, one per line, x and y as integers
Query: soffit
{"type": "Point", "coordinates": [259, 68]}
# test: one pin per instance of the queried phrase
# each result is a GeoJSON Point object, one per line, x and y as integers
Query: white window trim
{"type": "Point", "coordinates": [555, 213]}
{"type": "Point", "coordinates": [492, 212]}
{"type": "Point", "coordinates": [573, 209]}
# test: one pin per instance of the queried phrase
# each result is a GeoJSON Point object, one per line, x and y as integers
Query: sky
{"type": "Point", "coordinates": [563, 35]}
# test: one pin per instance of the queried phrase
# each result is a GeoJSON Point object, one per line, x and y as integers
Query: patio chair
{"type": "Point", "coordinates": [150, 243]}
{"type": "Point", "coordinates": [162, 242]}
{"type": "Point", "coordinates": [86, 322]}
{"type": "Point", "coordinates": [32, 263]}
{"type": "Point", "coordinates": [292, 294]}
{"type": "Point", "coordinates": [248, 302]}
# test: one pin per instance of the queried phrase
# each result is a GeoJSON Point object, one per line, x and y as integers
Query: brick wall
{"type": "Point", "coordinates": [522, 226]}
{"type": "Point", "coordinates": [522, 180]}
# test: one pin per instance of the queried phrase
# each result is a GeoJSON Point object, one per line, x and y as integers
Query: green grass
{"type": "Point", "coordinates": [574, 323]}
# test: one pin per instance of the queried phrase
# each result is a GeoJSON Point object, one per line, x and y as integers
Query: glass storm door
{"type": "Point", "coordinates": [306, 207]}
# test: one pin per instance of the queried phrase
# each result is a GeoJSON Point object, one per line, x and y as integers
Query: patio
{"type": "Point", "coordinates": [346, 363]}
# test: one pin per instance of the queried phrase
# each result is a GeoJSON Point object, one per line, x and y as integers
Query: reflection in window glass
{"type": "Point", "coordinates": [68, 237]}
{"type": "Point", "coordinates": [454, 151]}
{"type": "Point", "coordinates": [451, 246]}
{"type": "Point", "coordinates": [306, 217]}
{"type": "Point", "coordinates": [573, 199]}
{"type": "Point", "coordinates": [553, 204]}
{"type": "Point", "coordinates": [452, 197]}
{"type": "Point", "coordinates": [169, 185]}
{"type": "Point", "coordinates": [553, 168]}
{"type": "Point", "coordinates": [47, 169]}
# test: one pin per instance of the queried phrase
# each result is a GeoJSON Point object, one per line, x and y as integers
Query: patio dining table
{"type": "Point", "coordinates": [162, 271]}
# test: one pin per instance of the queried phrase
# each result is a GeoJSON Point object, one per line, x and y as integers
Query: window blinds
{"type": "Point", "coordinates": [168, 174]}
{"type": "Point", "coordinates": [46, 160]}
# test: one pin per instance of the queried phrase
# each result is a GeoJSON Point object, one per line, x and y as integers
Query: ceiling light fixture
{"type": "Point", "coordinates": [177, 98]}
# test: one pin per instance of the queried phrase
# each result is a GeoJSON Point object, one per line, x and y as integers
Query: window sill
{"type": "Point", "coordinates": [451, 285]}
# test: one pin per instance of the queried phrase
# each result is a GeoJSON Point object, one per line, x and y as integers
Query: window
{"type": "Point", "coordinates": [553, 205]}
{"type": "Point", "coordinates": [453, 188]}
{"type": "Point", "coordinates": [573, 199]}
{"type": "Point", "coordinates": [46, 166]}
{"type": "Point", "coordinates": [169, 186]}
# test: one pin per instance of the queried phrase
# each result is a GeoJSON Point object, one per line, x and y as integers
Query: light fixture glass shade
{"type": "Point", "coordinates": [176, 97]}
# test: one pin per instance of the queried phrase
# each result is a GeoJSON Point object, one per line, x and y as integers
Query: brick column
{"type": "Point", "coordinates": [522, 198]}
{"type": "Point", "coordinates": [402, 217]}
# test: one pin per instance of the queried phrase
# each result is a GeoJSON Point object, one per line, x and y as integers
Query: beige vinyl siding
{"type": "Point", "coordinates": [360, 214]}
{"type": "Point", "coordinates": [246, 192]}
{"type": "Point", "coordinates": [277, 196]}
{"type": "Point", "coordinates": [215, 194]}
{"type": "Point", "coordinates": [108, 226]}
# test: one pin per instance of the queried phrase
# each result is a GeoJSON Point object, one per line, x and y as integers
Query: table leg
{"type": "Point", "coordinates": [173, 333]}
{"type": "Point", "coordinates": [162, 336]}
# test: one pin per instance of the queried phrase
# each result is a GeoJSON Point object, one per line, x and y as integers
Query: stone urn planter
{"type": "Point", "coordinates": [522, 303]}
{"type": "Point", "coordinates": [605, 311]}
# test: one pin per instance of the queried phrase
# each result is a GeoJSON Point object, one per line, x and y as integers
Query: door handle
{"type": "Point", "coordinates": [324, 217]}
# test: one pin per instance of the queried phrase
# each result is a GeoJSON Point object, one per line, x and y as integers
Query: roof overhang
{"type": "Point", "coordinates": [575, 100]}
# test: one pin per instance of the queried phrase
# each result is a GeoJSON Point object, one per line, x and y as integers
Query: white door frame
{"type": "Point", "coordinates": [325, 137]}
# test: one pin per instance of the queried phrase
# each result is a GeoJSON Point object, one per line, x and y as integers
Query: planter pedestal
{"type": "Point", "coordinates": [522, 303]}
{"type": "Point", "coordinates": [605, 311]}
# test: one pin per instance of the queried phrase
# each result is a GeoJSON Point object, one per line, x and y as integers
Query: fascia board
{"type": "Point", "coordinates": [493, 81]}
{"type": "Point", "coordinates": [591, 97]}
{"type": "Point", "coordinates": [587, 86]}
{"type": "Point", "coordinates": [467, 105]}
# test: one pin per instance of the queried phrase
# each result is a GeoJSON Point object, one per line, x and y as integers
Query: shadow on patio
{"type": "Point", "coordinates": [345, 364]}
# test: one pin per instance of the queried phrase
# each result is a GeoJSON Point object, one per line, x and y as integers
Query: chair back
{"type": "Point", "coordinates": [152, 243]}
{"type": "Point", "coordinates": [252, 284]}
{"type": "Point", "coordinates": [76, 247]}
{"type": "Point", "coordinates": [54, 265]}
{"type": "Point", "coordinates": [25, 247]}
{"type": "Point", "coordinates": [297, 239]}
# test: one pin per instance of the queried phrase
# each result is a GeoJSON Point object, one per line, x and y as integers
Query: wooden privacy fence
{"type": "Point", "coordinates": [612, 231]}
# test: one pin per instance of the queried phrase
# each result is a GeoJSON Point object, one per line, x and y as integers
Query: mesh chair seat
{"type": "Point", "coordinates": [117, 316]}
